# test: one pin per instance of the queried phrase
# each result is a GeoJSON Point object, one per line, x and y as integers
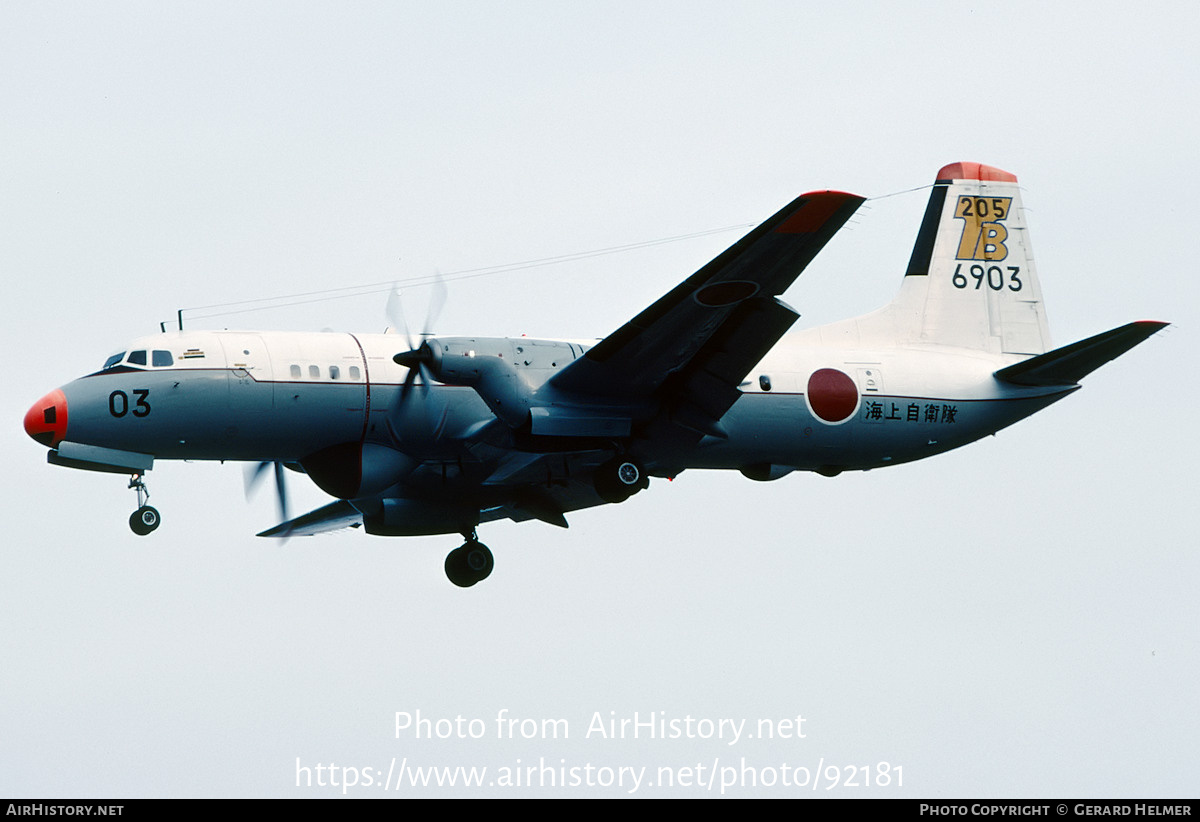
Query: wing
{"type": "Point", "coordinates": [699, 341]}
{"type": "Point", "coordinates": [733, 297]}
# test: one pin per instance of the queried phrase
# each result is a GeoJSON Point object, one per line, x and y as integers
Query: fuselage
{"type": "Point", "coordinates": [283, 396]}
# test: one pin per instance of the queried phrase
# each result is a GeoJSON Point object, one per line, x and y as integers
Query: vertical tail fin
{"type": "Point", "coordinates": [971, 281]}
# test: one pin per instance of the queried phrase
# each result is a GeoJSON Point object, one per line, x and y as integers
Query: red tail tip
{"type": "Point", "coordinates": [974, 171]}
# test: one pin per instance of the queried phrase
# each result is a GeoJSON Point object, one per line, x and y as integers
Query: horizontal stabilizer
{"type": "Point", "coordinates": [1071, 363]}
{"type": "Point", "coordinates": [331, 517]}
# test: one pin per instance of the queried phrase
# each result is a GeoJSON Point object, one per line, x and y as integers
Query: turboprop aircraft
{"type": "Point", "coordinates": [440, 437]}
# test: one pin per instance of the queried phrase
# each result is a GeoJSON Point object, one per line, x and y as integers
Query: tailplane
{"type": "Point", "coordinates": [971, 284]}
{"type": "Point", "coordinates": [971, 281]}
{"type": "Point", "coordinates": [1071, 363]}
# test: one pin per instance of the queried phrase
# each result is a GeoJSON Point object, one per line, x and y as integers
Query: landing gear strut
{"type": "Point", "coordinates": [469, 563]}
{"type": "Point", "coordinates": [146, 518]}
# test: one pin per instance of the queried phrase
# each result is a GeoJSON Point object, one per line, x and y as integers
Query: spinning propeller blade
{"type": "Point", "coordinates": [419, 357]}
{"type": "Point", "coordinates": [253, 478]}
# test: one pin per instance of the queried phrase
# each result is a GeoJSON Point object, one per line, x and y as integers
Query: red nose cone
{"type": "Point", "coordinates": [46, 421]}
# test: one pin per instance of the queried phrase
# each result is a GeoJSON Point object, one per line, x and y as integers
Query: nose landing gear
{"type": "Point", "coordinates": [146, 518]}
{"type": "Point", "coordinates": [469, 563]}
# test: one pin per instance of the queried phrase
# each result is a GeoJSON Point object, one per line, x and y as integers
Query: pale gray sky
{"type": "Point", "coordinates": [1017, 618]}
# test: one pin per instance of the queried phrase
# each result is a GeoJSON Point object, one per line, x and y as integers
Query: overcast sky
{"type": "Point", "coordinates": [1016, 618]}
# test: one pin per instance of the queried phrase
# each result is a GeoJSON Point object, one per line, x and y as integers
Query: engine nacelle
{"type": "Point", "coordinates": [417, 518]}
{"type": "Point", "coordinates": [488, 367]}
{"type": "Point", "coordinates": [352, 470]}
{"type": "Point", "coordinates": [765, 471]}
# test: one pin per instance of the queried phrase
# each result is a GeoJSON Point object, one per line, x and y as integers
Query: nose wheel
{"type": "Point", "coordinates": [146, 518]}
{"type": "Point", "coordinates": [469, 563]}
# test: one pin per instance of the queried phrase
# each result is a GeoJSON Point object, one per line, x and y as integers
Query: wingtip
{"type": "Point", "coordinates": [832, 194]}
{"type": "Point", "coordinates": [814, 211]}
{"type": "Point", "coordinates": [1144, 329]}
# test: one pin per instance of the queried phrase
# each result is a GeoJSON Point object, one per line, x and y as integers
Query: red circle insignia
{"type": "Point", "coordinates": [832, 395]}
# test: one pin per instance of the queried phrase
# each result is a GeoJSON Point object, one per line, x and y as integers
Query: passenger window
{"type": "Point", "coordinates": [295, 372]}
{"type": "Point", "coordinates": [334, 374]}
{"type": "Point", "coordinates": [161, 359]}
{"type": "Point", "coordinates": [137, 358]}
{"type": "Point", "coordinates": [314, 373]}
{"type": "Point", "coordinates": [354, 372]}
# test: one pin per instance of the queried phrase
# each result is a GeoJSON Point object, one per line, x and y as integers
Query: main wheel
{"type": "Point", "coordinates": [619, 479]}
{"type": "Point", "coordinates": [470, 563]}
{"type": "Point", "coordinates": [628, 474]}
{"type": "Point", "coordinates": [479, 560]}
{"type": "Point", "coordinates": [144, 520]}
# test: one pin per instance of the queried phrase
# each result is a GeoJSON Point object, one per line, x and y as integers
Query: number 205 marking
{"type": "Point", "coordinates": [993, 276]}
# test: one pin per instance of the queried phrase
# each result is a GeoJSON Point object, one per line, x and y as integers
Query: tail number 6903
{"type": "Point", "coordinates": [993, 276]}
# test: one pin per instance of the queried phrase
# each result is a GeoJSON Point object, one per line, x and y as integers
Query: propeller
{"type": "Point", "coordinates": [395, 311]}
{"type": "Point", "coordinates": [419, 359]}
{"type": "Point", "coordinates": [253, 478]}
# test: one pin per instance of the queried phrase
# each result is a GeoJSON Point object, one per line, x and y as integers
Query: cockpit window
{"type": "Point", "coordinates": [137, 358]}
{"type": "Point", "coordinates": [113, 360]}
{"type": "Point", "coordinates": [161, 359]}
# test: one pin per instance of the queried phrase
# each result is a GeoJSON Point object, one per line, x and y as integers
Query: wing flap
{"type": "Point", "coordinates": [709, 385]}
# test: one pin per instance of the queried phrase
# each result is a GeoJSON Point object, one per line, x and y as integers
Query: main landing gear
{"type": "Point", "coordinates": [145, 519]}
{"type": "Point", "coordinates": [619, 479]}
{"type": "Point", "coordinates": [469, 563]}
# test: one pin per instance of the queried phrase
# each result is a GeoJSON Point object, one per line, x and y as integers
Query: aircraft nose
{"type": "Point", "coordinates": [46, 419]}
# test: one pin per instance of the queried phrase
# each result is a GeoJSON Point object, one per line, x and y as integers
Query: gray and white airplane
{"type": "Point", "coordinates": [458, 431]}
